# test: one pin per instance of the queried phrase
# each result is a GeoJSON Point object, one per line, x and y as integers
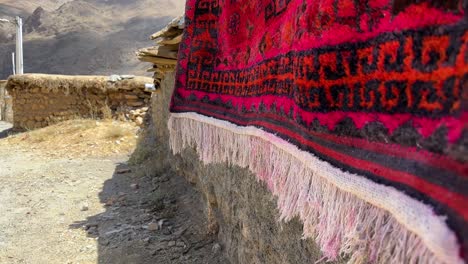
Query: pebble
{"type": "Point", "coordinates": [89, 225]}
{"type": "Point", "coordinates": [139, 121]}
{"type": "Point", "coordinates": [122, 171]}
{"type": "Point", "coordinates": [153, 226]}
{"type": "Point", "coordinates": [216, 248]}
{"type": "Point", "coordinates": [135, 186]}
{"type": "Point", "coordinates": [161, 223]}
{"type": "Point", "coordinates": [155, 252]}
{"type": "Point", "coordinates": [104, 242]}
{"type": "Point", "coordinates": [110, 201]}
{"type": "Point", "coordinates": [85, 207]}
{"type": "Point", "coordinates": [180, 244]}
{"type": "Point", "coordinates": [171, 243]}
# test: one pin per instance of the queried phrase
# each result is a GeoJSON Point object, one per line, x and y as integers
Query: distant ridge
{"type": "Point", "coordinates": [83, 36]}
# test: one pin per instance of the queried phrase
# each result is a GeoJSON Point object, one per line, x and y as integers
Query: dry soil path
{"type": "Point", "coordinates": [64, 210]}
{"type": "Point", "coordinates": [40, 198]}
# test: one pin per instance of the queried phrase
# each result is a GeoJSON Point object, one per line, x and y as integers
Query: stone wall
{"type": "Point", "coordinates": [6, 111]}
{"type": "Point", "coordinates": [242, 212]}
{"type": "Point", "coordinates": [41, 100]}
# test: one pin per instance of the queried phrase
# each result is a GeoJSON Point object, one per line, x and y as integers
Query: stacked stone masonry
{"type": "Point", "coordinates": [42, 100]}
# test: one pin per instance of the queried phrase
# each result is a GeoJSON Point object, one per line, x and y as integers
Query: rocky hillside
{"type": "Point", "coordinates": [83, 36]}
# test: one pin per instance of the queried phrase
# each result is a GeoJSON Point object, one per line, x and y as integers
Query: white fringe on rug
{"type": "Point", "coordinates": [346, 214]}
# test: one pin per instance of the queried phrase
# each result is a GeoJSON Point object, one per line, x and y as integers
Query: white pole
{"type": "Point", "coordinates": [13, 62]}
{"type": "Point", "coordinates": [19, 45]}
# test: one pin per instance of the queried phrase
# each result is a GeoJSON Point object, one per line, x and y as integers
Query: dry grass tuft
{"type": "Point", "coordinates": [79, 138]}
{"type": "Point", "coordinates": [106, 112]}
{"type": "Point", "coordinates": [115, 131]}
{"type": "Point", "coordinates": [38, 137]}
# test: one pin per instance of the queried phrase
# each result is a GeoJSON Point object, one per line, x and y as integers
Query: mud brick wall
{"type": "Point", "coordinates": [241, 211]}
{"type": "Point", "coordinates": [42, 100]}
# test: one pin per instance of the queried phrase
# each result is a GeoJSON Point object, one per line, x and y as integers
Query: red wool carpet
{"type": "Point", "coordinates": [353, 114]}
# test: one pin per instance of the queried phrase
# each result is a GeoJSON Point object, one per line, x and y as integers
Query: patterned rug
{"type": "Point", "coordinates": [353, 114]}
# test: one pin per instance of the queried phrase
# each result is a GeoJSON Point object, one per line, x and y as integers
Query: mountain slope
{"type": "Point", "coordinates": [84, 36]}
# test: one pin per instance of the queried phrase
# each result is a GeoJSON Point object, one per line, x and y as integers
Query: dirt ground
{"type": "Point", "coordinates": [65, 209]}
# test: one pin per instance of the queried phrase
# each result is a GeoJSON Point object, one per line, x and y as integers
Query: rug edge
{"type": "Point", "coordinates": [202, 132]}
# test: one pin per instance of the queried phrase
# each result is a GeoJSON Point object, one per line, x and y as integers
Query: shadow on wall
{"type": "Point", "coordinates": [6, 130]}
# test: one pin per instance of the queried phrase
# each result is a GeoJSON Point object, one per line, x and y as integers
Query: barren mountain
{"type": "Point", "coordinates": [83, 36]}
{"type": "Point", "coordinates": [28, 6]}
